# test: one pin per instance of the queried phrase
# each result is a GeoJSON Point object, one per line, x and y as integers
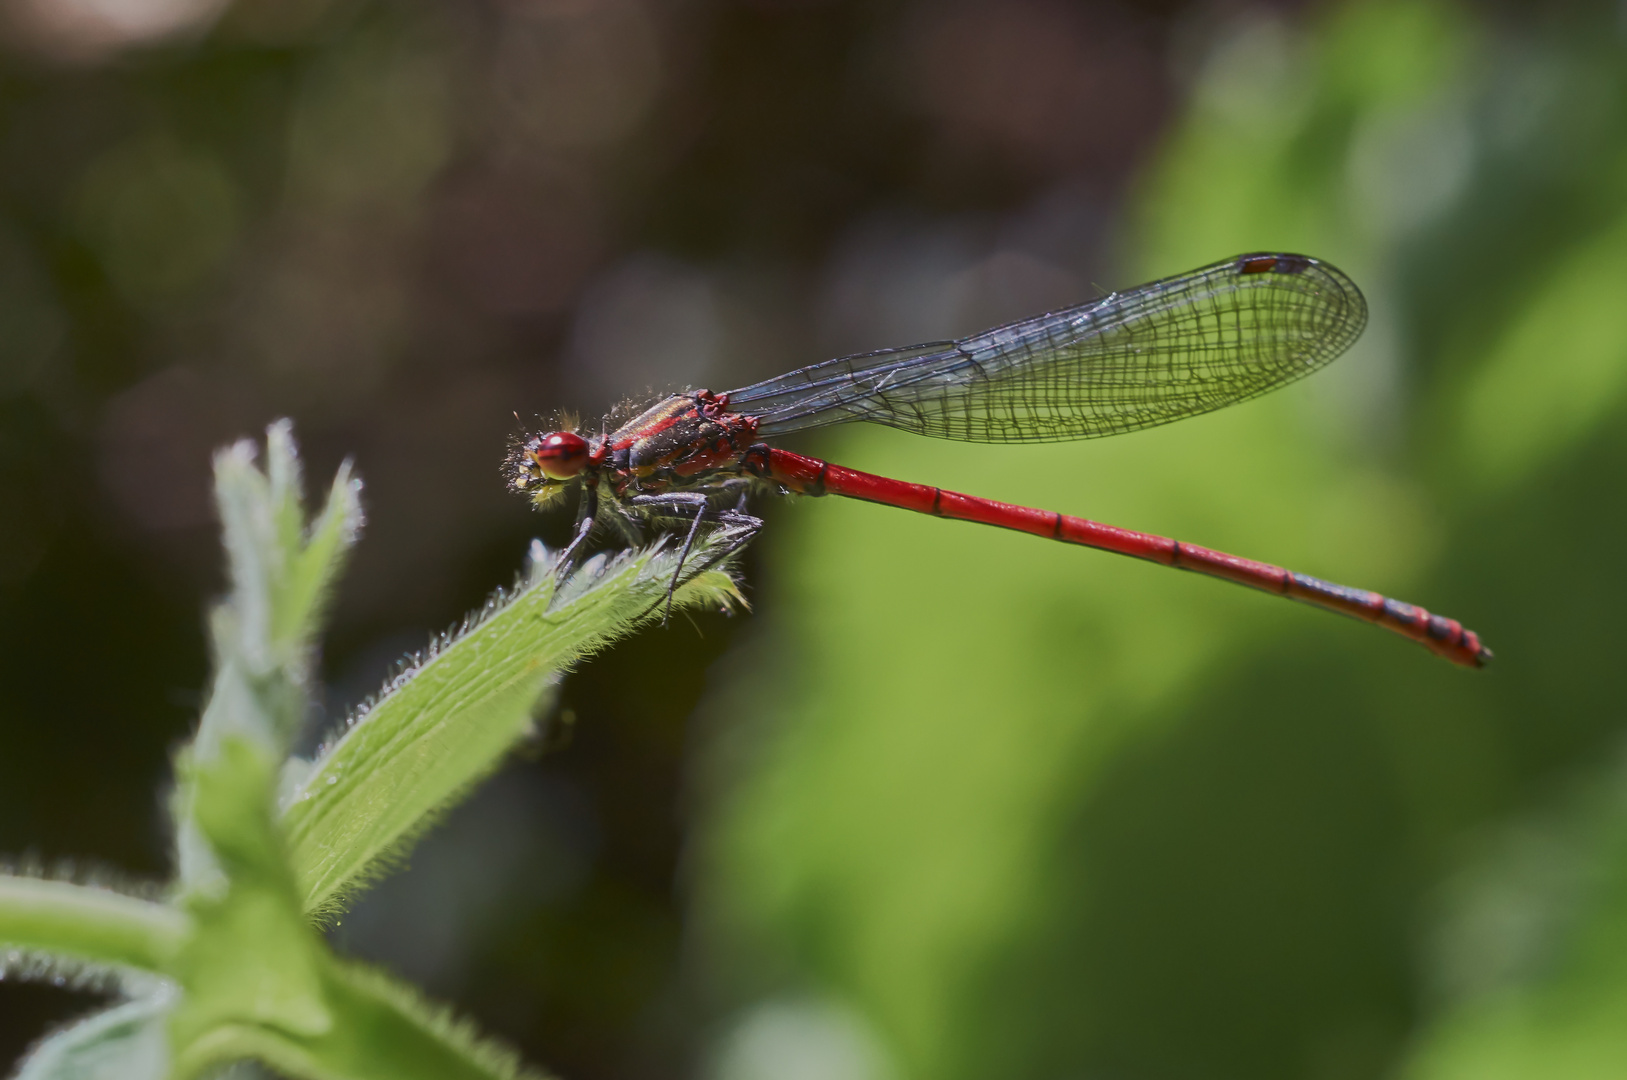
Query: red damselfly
{"type": "Point", "coordinates": [1150, 355]}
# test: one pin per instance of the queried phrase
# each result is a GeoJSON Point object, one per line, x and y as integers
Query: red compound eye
{"type": "Point", "coordinates": [561, 455]}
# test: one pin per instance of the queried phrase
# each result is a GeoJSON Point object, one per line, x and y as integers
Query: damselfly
{"type": "Point", "coordinates": [1151, 355]}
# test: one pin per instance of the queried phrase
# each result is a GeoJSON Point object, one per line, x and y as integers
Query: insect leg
{"type": "Point", "coordinates": [587, 512]}
{"type": "Point", "coordinates": [676, 501]}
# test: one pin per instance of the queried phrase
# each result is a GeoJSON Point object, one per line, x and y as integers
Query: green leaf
{"type": "Point", "coordinates": [89, 924]}
{"type": "Point", "coordinates": [281, 574]}
{"type": "Point", "coordinates": [125, 1042]}
{"type": "Point", "coordinates": [448, 720]}
{"type": "Point", "coordinates": [381, 1028]}
{"type": "Point", "coordinates": [315, 567]}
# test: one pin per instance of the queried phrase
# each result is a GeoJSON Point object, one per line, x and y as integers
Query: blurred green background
{"type": "Point", "coordinates": [951, 803]}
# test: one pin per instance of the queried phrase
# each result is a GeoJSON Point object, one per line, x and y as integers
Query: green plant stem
{"type": "Point", "coordinates": [90, 924]}
{"type": "Point", "coordinates": [385, 1030]}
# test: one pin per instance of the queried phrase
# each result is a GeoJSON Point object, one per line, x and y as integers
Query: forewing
{"type": "Point", "coordinates": [1152, 355]}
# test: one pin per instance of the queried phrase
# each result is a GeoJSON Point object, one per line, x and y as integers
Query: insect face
{"type": "Point", "coordinates": [545, 465]}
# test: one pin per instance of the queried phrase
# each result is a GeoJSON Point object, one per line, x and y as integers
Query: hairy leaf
{"type": "Point", "coordinates": [447, 720]}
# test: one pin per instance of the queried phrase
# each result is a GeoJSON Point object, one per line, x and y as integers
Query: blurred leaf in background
{"type": "Point", "coordinates": [1528, 968]}
{"type": "Point", "coordinates": [1036, 812]}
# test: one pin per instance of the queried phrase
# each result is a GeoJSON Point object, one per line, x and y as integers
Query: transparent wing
{"type": "Point", "coordinates": [1152, 355]}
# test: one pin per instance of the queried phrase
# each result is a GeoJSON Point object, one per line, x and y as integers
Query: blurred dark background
{"type": "Point", "coordinates": [949, 803]}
